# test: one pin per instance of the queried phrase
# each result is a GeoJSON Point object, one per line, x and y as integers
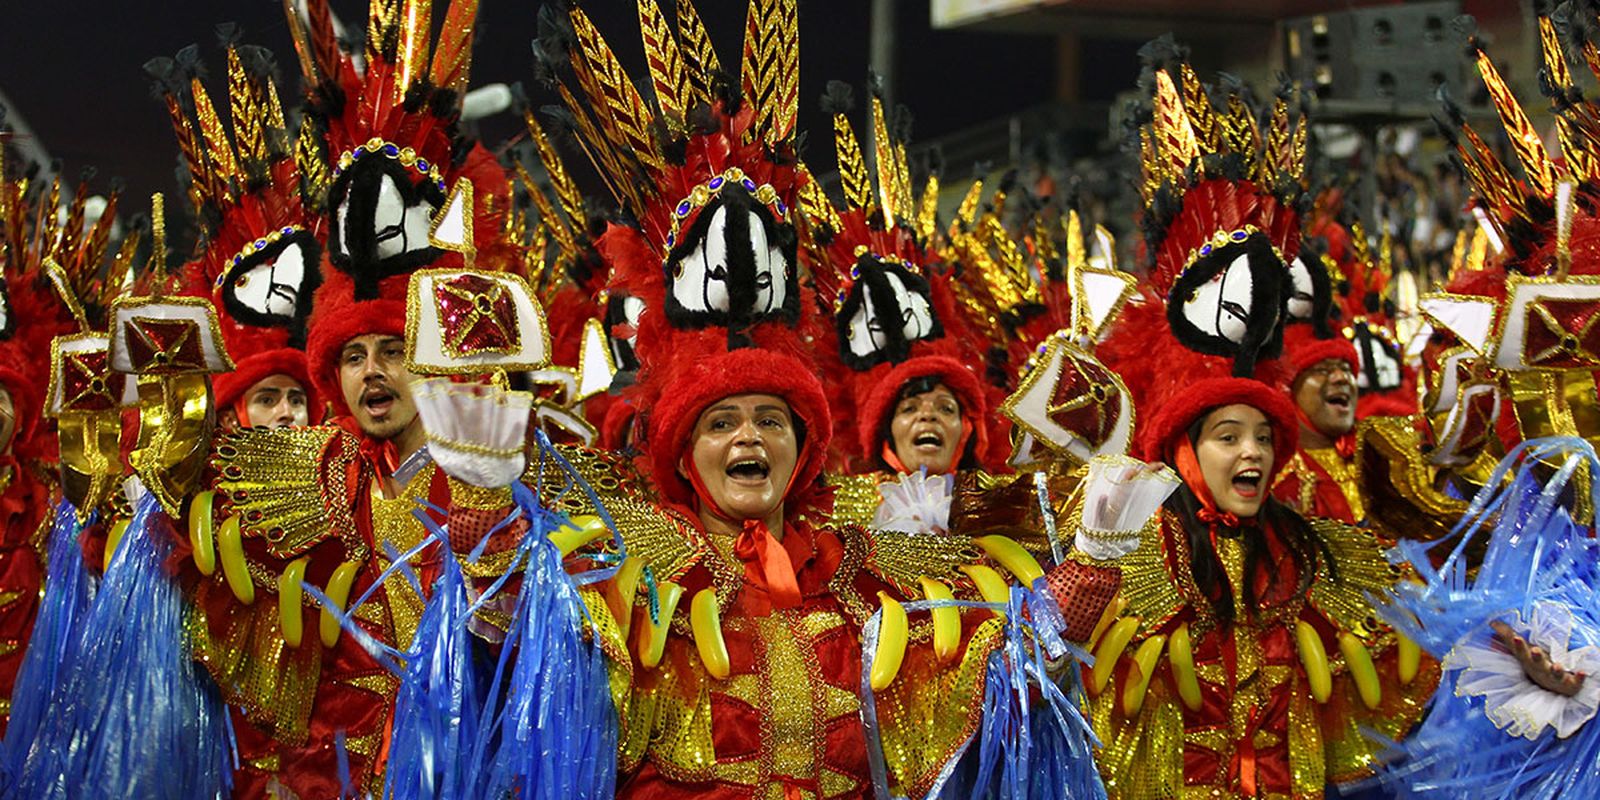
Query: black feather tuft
{"type": "Point", "coordinates": [838, 99]}
{"type": "Point", "coordinates": [189, 65]}
{"type": "Point", "coordinates": [228, 34]}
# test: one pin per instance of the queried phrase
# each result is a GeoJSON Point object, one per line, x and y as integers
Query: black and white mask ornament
{"type": "Point", "coordinates": [1309, 291]}
{"type": "Point", "coordinates": [1379, 356]}
{"type": "Point", "coordinates": [382, 207]}
{"type": "Point", "coordinates": [1230, 300]}
{"type": "Point", "coordinates": [734, 266]}
{"type": "Point", "coordinates": [270, 282]}
{"type": "Point", "coordinates": [7, 319]}
{"type": "Point", "coordinates": [622, 330]}
{"type": "Point", "coordinates": [885, 310]}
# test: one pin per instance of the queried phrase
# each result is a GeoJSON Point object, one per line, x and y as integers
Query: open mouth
{"type": "Point", "coordinates": [749, 470]}
{"type": "Point", "coordinates": [1339, 400]}
{"type": "Point", "coordinates": [377, 402]}
{"type": "Point", "coordinates": [927, 440]}
{"type": "Point", "coordinates": [1247, 482]}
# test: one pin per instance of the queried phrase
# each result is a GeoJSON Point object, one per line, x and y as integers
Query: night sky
{"type": "Point", "coordinates": [73, 71]}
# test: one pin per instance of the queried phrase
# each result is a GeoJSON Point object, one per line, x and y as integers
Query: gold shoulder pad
{"type": "Point", "coordinates": [291, 487]}
{"type": "Point", "coordinates": [1153, 595]}
{"type": "Point", "coordinates": [855, 498]}
{"type": "Point", "coordinates": [1358, 570]}
{"type": "Point", "coordinates": [650, 532]}
{"type": "Point", "coordinates": [902, 558]}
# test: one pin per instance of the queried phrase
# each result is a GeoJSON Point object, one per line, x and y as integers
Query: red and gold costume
{"type": "Point", "coordinates": [1320, 482]}
{"type": "Point", "coordinates": [1269, 700]}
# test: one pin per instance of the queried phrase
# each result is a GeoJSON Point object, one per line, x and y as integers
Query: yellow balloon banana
{"type": "Point", "coordinates": [584, 528]}
{"type": "Point", "coordinates": [991, 587]}
{"type": "Point", "coordinates": [1110, 649]}
{"type": "Point", "coordinates": [1359, 661]}
{"type": "Point", "coordinates": [627, 579]}
{"type": "Point", "coordinates": [705, 622]}
{"type": "Point", "coordinates": [1012, 556]}
{"type": "Point", "coordinates": [1180, 655]}
{"type": "Point", "coordinates": [1145, 660]}
{"type": "Point", "coordinates": [1315, 659]}
{"type": "Point", "coordinates": [892, 636]}
{"type": "Point", "coordinates": [201, 538]}
{"type": "Point", "coordinates": [113, 538]}
{"type": "Point", "coordinates": [946, 620]}
{"type": "Point", "coordinates": [290, 616]}
{"type": "Point", "coordinates": [655, 636]}
{"type": "Point", "coordinates": [230, 550]}
{"type": "Point", "coordinates": [1108, 616]}
{"type": "Point", "coordinates": [1409, 658]}
{"type": "Point", "coordinates": [338, 592]}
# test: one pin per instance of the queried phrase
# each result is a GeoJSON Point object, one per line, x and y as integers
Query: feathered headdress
{"type": "Point", "coordinates": [707, 173]}
{"type": "Point", "coordinates": [1220, 190]}
{"type": "Point", "coordinates": [894, 317]}
{"type": "Point", "coordinates": [393, 145]}
{"type": "Point", "coordinates": [398, 166]}
{"type": "Point", "coordinates": [257, 195]}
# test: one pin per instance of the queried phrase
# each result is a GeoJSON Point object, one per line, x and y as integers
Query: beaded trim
{"type": "Point", "coordinates": [405, 155]}
{"type": "Point", "coordinates": [1222, 239]}
{"type": "Point", "coordinates": [705, 192]}
{"type": "Point", "coordinates": [855, 272]}
{"type": "Point", "coordinates": [260, 244]}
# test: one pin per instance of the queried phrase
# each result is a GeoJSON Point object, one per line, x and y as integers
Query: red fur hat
{"type": "Point", "coordinates": [696, 383]}
{"type": "Point", "coordinates": [231, 386]}
{"type": "Point", "coordinates": [1178, 412]}
{"type": "Point", "coordinates": [337, 317]}
{"type": "Point", "coordinates": [1302, 350]}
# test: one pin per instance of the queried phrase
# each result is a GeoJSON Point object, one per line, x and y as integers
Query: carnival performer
{"type": "Point", "coordinates": [261, 227]}
{"type": "Point", "coordinates": [1507, 601]}
{"type": "Point", "coordinates": [1319, 480]}
{"type": "Point", "coordinates": [1245, 598]}
{"type": "Point", "coordinates": [33, 316]}
{"type": "Point", "coordinates": [331, 506]}
{"type": "Point", "coordinates": [747, 658]}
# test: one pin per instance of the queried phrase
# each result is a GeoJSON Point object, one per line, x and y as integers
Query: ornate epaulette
{"type": "Point", "coordinates": [291, 488]}
{"type": "Point", "coordinates": [902, 558]}
{"type": "Point", "coordinates": [1358, 571]}
{"type": "Point", "coordinates": [855, 498]}
{"type": "Point", "coordinates": [1152, 592]}
{"type": "Point", "coordinates": [649, 531]}
{"type": "Point", "coordinates": [1397, 479]}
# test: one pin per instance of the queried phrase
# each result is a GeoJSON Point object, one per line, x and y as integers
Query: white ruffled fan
{"type": "Point", "coordinates": [1511, 700]}
{"type": "Point", "coordinates": [476, 433]}
{"type": "Point", "coordinates": [917, 503]}
{"type": "Point", "coordinates": [1120, 495]}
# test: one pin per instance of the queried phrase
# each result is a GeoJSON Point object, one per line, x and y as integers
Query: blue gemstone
{"type": "Point", "coordinates": [749, 185]}
{"type": "Point", "coordinates": [260, 243]}
{"type": "Point", "coordinates": [716, 183]}
{"type": "Point", "coordinates": [422, 165]}
{"type": "Point", "coordinates": [440, 184]}
{"type": "Point", "coordinates": [782, 209]}
{"type": "Point", "coordinates": [236, 261]}
{"type": "Point", "coordinates": [288, 229]}
{"type": "Point", "coordinates": [671, 240]}
{"type": "Point", "coordinates": [1238, 236]}
{"type": "Point", "coordinates": [683, 208]}
{"type": "Point", "coordinates": [391, 150]}
{"type": "Point", "coordinates": [360, 151]}
{"type": "Point", "coordinates": [1205, 249]}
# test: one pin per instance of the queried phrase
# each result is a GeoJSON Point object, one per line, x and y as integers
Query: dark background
{"type": "Point", "coordinates": [73, 70]}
